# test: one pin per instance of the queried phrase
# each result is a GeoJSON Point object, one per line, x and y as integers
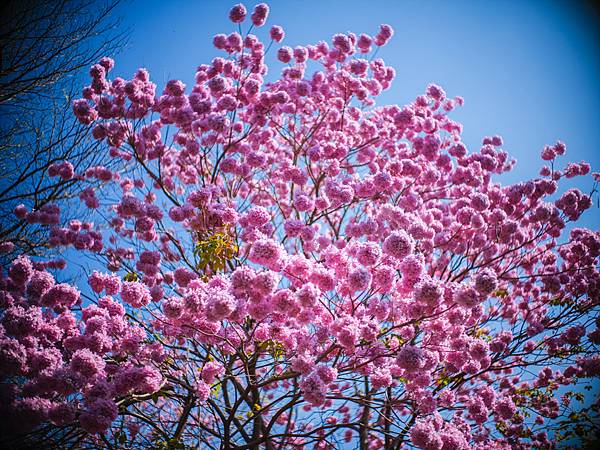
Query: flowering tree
{"type": "Point", "coordinates": [287, 265]}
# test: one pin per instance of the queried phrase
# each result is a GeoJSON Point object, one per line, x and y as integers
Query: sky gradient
{"type": "Point", "coordinates": [528, 71]}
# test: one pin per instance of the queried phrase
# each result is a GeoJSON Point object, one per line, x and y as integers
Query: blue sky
{"type": "Point", "coordinates": [528, 70]}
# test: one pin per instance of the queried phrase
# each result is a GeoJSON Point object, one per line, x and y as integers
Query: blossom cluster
{"type": "Point", "coordinates": [69, 359]}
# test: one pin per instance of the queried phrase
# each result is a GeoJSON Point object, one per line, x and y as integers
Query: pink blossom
{"type": "Point", "coordinates": [398, 244]}
{"type": "Point", "coordinates": [266, 252]}
{"type": "Point", "coordinates": [368, 254]}
{"type": "Point", "coordinates": [219, 305]}
{"type": "Point", "coordinates": [359, 279]}
{"type": "Point", "coordinates": [60, 294]}
{"type": "Point", "coordinates": [21, 270]}
{"type": "Point", "coordinates": [486, 282]}
{"type": "Point", "coordinates": [467, 296]}
{"type": "Point", "coordinates": [313, 389]}
{"type": "Point", "coordinates": [87, 363]}
{"type": "Point", "coordinates": [135, 294]}
{"type": "Point", "coordinates": [428, 291]}
{"type": "Point", "coordinates": [284, 54]}
{"type": "Point", "coordinates": [98, 416]}
{"type": "Point", "coordinates": [411, 358]}
{"type": "Point", "coordinates": [384, 35]}
{"type": "Point", "coordinates": [258, 216]}
{"type": "Point", "coordinates": [260, 14]}
{"type": "Point", "coordinates": [212, 370]}
{"type": "Point", "coordinates": [6, 247]}
{"type": "Point", "coordinates": [505, 408]}
{"type": "Point", "coordinates": [183, 276]}
{"type": "Point", "coordinates": [202, 391]}
{"type": "Point", "coordinates": [237, 14]}
{"type": "Point", "coordinates": [277, 34]}
{"type": "Point", "coordinates": [364, 43]}
{"type": "Point", "coordinates": [173, 307]}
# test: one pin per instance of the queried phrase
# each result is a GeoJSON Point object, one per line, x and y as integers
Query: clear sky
{"type": "Point", "coordinates": [528, 70]}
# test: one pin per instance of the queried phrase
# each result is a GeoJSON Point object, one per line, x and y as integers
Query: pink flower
{"type": "Point", "coordinates": [277, 34]}
{"type": "Point", "coordinates": [324, 279]}
{"type": "Point", "coordinates": [13, 357]}
{"type": "Point", "coordinates": [428, 291]}
{"type": "Point", "coordinates": [202, 391]}
{"type": "Point", "coordinates": [142, 380]}
{"type": "Point", "coordinates": [260, 14]}
{"type": "Point", "coordinates": [107, 63]}
{"type": "Point", "coordinates": [359, 279]}
{"type": "Point", "coordinates": [505, 408]}
{"type": "Point", "coordinates": [368, 254]}
{"type": "Point", "coordinates": [237, 14]}
{"type": "Point", "coordinates": [21, 270]}
{"type": "Point", "coordinates": [84, 112]}
{"type": "Point", "coordinates": [183, 276]}
{"type": "Point", "coordinates": [308, 295]}
{"type": "Point", "coordinates": [283, 301]}
{"type": "Point", "coordinates": [364, 43]}
{"type": "Point", "coordinates": [284, 54]}
{"type": "Point", "coordinates": [467, 296]}
{"type": "Point", "coordinates": [112, 284]}
{"type": "Point", "coordinates": [411, 268]}
{"type": "Point", "coordinates": [381, 378]}
{"type": "Point", "coordinates": [86, 363]}
{"type": "Point", "coordinates": [135, 294]}
{"type": "Point", "coordinates": [212, 370]}
{"type": "Point", "coordinates": [411, 358]}
{"type": "Point", "coordinates": [60, 295]}
{"type": "Point", "coordinates": [27, 413]}
{"type": "Point", "coordinates": [486, 282]}
{"type": "Point", "coordinates": [385, 34]}
{"type": "Point", "coordinates": [20, 211]}
{"type": "Point", "coordinates": [265, 282]}
{"type": "Point", "coordinates": [266, 252]}
{"type": "Point", "coordinates": [219, 305]}
{"type": "Point", "coordinates": [148, 379]}
{"type": "Point", "coordinates": [342, 43]}
{"type": "Point", "coordinates": [258, 216]}
{"type": "Point", "coordinates": [436, 92]}
{"type": "Point", "coordinates": [242, 279]}
{"type": "Point", "coordinates": [173, 307]}
{"type": "Point", "coordinates": [220, 41]}
{"type": "Point", "coordinates": [398, 244]}
{"type": "Point", "coordinates": [6, 247]}
{"type": "Point", "coordinates": [39, 283]}
{"type": "Point", "coordinates": [313, 389]}
{"type": "Point", "coordinates": [326, 373]}
{"type": "Point", "coordinates": [98, 416]}
{"type": "Point", "coordinates": [64, 170]}
{"type": "Point", "coordinates": [424, 436]}
{"type": "Point", "coordinates": [61, 414]}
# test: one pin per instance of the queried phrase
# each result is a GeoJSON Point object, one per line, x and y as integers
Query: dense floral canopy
{"type": "Point", "coordinates": [287, 264]}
